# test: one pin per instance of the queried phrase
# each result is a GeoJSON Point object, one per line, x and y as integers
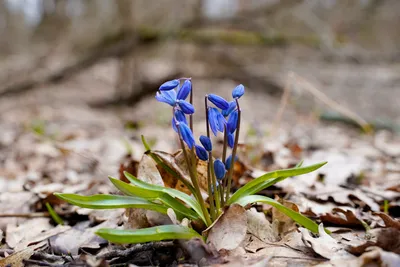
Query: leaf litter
{"type": "Point", "coordinates": [358, 188]}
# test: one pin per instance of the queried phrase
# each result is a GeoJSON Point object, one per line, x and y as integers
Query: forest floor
{"type": "Point", "coordinates": [51, 140]}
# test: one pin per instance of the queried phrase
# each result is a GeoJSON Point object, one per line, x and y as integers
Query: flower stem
{"type": "Point", "coordinates": [211, 177]}
{"type": "Point", "coordinates": [230, 172]}
{"type": "Point", "coordinates": [191, 115]}
{"type": "Point", "coordinates": [225, 146]}
{"type": "Point", "coordinates": [211, 196]}
{"type": "Point", "coordinates": [193, 176]}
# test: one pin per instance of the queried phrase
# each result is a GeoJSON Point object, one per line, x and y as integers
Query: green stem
{"type": "Point", "coordinates": [211, 196]}
{"type": "Point", "coordinates": [193, 177]}
{"type": "Point", "coordinates": [230, 172]}
{"type": "Point", "coordinates": [216, 192]}
{"type": "Point", "coordinates": [223, 181]}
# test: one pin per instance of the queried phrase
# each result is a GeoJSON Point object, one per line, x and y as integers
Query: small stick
{"type": "Point", "coordinates": [25, 215]}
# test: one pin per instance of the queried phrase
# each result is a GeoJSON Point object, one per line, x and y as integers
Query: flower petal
{"type": "Point", "coordinates": [169, 85]}
{"type": "Point", "coordinates": [186, 107]}
{"type": "Point", "coordinates": [168, 97]}
{"type": "Point", "coordinates": [213, 120]}
{"type": "Point", "coordinates": [238, 91]}
{"type": "Point", "coordinates": [232, 121]}
{"type": "Point", "coordinates": [232, 106]}
{"type": "Point", "coordinates": [221, 122]}
{"type": "Point", "coordinates": [184, 91]}
{"type": "Point", "coordinates": [180, 116]}
{"type": "Point", "coordinates": [218, 101]}
{"type": "Point", "coordinates": [186, 134]}
{"type": "Point", "coordinates": [231, 140]}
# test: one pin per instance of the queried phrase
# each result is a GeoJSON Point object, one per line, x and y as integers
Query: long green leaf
{"type": "Point", "coordinates": [157, 233]}
{"type": "Point", "coordinates": [295, 216]}
{"type": "Point", "coordinates": [170, 191]}
{"type": "Point", "coordinates": [111, 202]}
{"type": "Point", "coordinates": [171, 202]}
{"type": "Point", "coordinates": [255, 186]}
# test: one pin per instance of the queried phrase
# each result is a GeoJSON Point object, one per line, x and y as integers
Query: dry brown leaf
{"type": "Point", "coordinates": [260, 227]}
{"type": "Point", "coordinates": [283, 222]}
{"type": "Point", "coordinates": [389, 221]}
{"type": "Point", "coordinates": [387, 239]}
{"type": "Point", "coordinates": [229, 231]}
{"type": "Point", "coordinates": [41, 237]}
{"type": "Point", "coordinates": [341, 217]}
{"type": "Point", "coordinates": [17, 259]}
{"type": "Point", "coordinates": [325, 245]}
{"type": "Point", "coordinates": [137, 218]}
{"type": "Point", "coordinates": [26, 231]}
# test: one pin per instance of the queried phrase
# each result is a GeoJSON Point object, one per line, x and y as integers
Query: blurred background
{"type": "Point", "coordinates": [93, 58]}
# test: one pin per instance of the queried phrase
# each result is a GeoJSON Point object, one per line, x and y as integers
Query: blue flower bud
{"type": "Point", "coordinates": [221, 122]}
{"type": "Point", "coordinates": [168, 97]}
{"type": "Point", "coordinates": [231, 140]}
{"type": "Point", "coordinates": [169, 85]}
{"type": "Point", "coordinates": [232, 106]}
{"type": "Point", "coordinates": [238, 91]}
{"type": "Point", "coordinates": [206, 142]}
{"type": "Point", "coordinates": [201, 153]}
{"type": "Point", "coordinates": [186, 134]}
{"type": "Point", "coordinates": [232, 121]}
{"type": "Point", "coordinates": [229, 161]}
{"type": "Point", "coordinates": [219, 169]}
{"type": "Point", "coordinates": [184, 91]}
{"type": "Point", "coordinates": [218, 101]}
{"type": "Point", "coordinates": [185, 106]}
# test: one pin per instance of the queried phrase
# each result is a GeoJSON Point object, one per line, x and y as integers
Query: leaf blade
{"type": "Point", "coordinates": [157, 233]}
{"type": "Point", "coordinates": [295, 216]}
{"type": "Point", "coordinates": [248, 188]}
{"type": "Point", "coordinates": [111, 202]}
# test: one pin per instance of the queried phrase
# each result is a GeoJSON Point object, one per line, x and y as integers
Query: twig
{"type": "Point", "coordinates": [25, 215]}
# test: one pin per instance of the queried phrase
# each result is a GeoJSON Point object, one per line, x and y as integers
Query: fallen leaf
{"type": "Point", "coordinates": [387, 239]}
{"type": "Point", "coordinates": [389, 221]}
{"type": "Point", "coordinates": [24, 243]}
{"type": "Point", "coordinates": [26, 231]}
{"type": "Point", "coordinates": [324, 245]}
{"type": "Point", "coordinates": [342, 217]}
{"type": "Point", "coordinates": [229, 231]}
{"type": "Point", "coordinates": [283, 222]}
{"type": "Point", "coordinates": [17, 259]}
{"type": "Point", "coordinates": [260, 227]}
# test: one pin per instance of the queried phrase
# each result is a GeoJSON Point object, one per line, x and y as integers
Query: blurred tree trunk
{"type": "Point", "coordinates": [128, 79]}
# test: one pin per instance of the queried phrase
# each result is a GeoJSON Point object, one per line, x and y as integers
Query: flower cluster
{"type": "Point", "coordinates": [221, 116]}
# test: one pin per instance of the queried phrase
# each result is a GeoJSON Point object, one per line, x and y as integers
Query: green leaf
{"type": "Point", "coordinates": [262, 182]}
{"type": "Point", "coordinates": [111, 202]}
{"type": "Point", "coordinates": [53, 214]}
{"type": "Point", "coordinates": [170, 191]}
{"type": "Point", "coordinates": [148, 194]}
{"type": "Point", "coordinates": [295, 216]}
{"type": "Point", "coordinates": [157, 233]}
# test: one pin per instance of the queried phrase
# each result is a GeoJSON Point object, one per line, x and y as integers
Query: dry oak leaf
{"type": "Point", "coordinates": [229, 231]}
{"type": "Point", "coordinates": [341, 217]}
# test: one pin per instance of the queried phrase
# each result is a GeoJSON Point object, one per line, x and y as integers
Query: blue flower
{"type": "Point", "coordinates": [238, 91]}
{"type": "Point", "coordinates": [168, 97]}
{"type": "Point", "coordinates": [216, 120]}
{"type": "Point", "coordinates": [184, 91]}
{"type": "Point", "coordinates": [219, 169]}
{"type": "Point", "coordinates": [201, 153]}
{"type": "Point", "coordinates": [179, 116]}
{"type": "Point", "coordinates": [186, 134]}
{"type": "Point", "coordinates": [169, 85]}
{"type": "Point", "coordinates": [218, 101]}
{"type": "Point", "coordinates": [232, 106]}
{"type": "Point", "coordinates": [229, 161]}
{"type": "Point", "coordinates": [231, 140]}
{"type": "Point", "coordinates": [232, 121]}
{"type": "Point", "coordinates": [206, 142]}
{"type": "Point", "coordinates": [185, 106]}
